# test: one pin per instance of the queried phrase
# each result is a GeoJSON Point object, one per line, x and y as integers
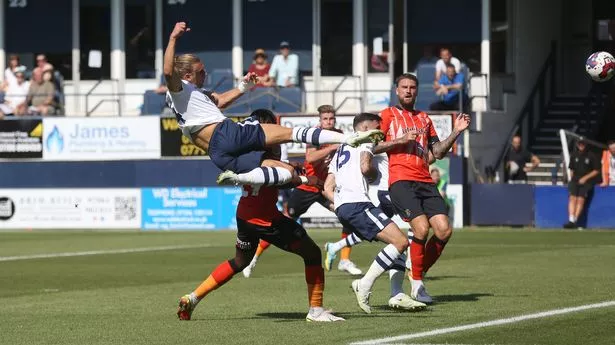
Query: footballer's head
{"type": "Point", "coordinates": [326, 116]}
{"type": "Point", "coordinates": [263, 116]}
{"type": "Point", "coordinates": [366, 121]}
{"type": "Point", "coordinates": [406, 88]}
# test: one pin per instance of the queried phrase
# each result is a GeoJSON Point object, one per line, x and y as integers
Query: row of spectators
{"type": "Point", "coordinates": [36, 96]}
{"type": "Point", "coordinates": [449, 81]}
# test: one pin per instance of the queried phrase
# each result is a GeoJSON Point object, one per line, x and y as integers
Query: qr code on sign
{"type": "Point", "coordinates": [125, 208]}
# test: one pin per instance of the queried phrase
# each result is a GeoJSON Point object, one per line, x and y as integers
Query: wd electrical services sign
{"type": "Point", "coordinates": [21, 139]}
{"type": "Point", "coordinates": [67, 139]}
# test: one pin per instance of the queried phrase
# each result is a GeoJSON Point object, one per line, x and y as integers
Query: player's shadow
{"type": "Point", "coordinates": [381, 311]}
{"type": "Point", "coordinates": [434, 278]}
{"type": "Point", "coordinates": [469, 297]}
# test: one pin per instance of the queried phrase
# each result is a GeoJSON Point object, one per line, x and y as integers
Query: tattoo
{"type": "Point", "coordinates": [367, 169]}
{"type": "Point", "coordinates": [440, 148]}
{"type": "Point", "coordinates": [385, 146]}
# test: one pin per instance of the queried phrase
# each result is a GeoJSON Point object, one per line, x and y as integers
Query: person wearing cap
{"type": "Point", "coordinates": [516, 158]}
{"type": "Point", "coordinates": [260, 66]}
{"type": "Point", "coordinates": [11, 71]}
{"type": "Point", "coordinates": [16, 93]}
{"type": "Point", "coordinates": [584, 169]}
{"type": "Point", "coordinates": [285, 67]}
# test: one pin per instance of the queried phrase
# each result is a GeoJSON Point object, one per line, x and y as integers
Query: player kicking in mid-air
{"type": "Point", "coordinates": [259, 218]}
{"type": "Point", "coordinates": [413, 192]}
{"type": "Point", "coordinates": [347, 185]}
{"type": "Point", "coordinates": [229, 144]}
{"type": "Point", "coordinates": [316, 163]}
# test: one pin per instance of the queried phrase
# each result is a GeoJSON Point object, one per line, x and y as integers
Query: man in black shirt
{"type": "Point", "coordinates": [515, 162]}
{"type": "Point", "coordinates": [585, 167]}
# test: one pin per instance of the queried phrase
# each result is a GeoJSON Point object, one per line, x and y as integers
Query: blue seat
{"type": "Point", "coordinates": [1, 96]}
{"type": "Point", "coordinates": [425, 97]}
{"type": "Point", "coordinates": [393, 100]}
{"type": "Point", "coordinates": [221, 80]}
{"type": "Point", "coordinates": [153, 103]}
{"type": "Point", "coordinates": [289, 100]}
{"type": "Point", "coordinates": [240, 107]}
{"type": "Point", "coordinates": [261, 98]}
{"type": "Point", "coordinates": [425, 73]}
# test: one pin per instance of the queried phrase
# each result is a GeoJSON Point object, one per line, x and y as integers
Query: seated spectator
{"type": "Point", "coordinates": [42, 64]}
{"type": "Point", "coordinates": [41, 93]}
{"type": "Point", "coordinates": [285, 67]}
{"type": "Point", "coordinates": [11, 70]}
{"type": "Point", "coordinates": [584, 166]}
{"type": "Point", "coordinates": [608, 165]}
{"type": "Point", "coordinates": [516, 170]}
{"type": "Point", "coordinates": [16, 94]}
{"type": "Point", "coordinates": [449, 87]}
{"type": "Point", "coordinates": [446, 58]}
{"type": "Point", "coordinates": [261, 67]}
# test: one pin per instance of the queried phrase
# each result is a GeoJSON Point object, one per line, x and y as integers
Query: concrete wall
{"type": "Point", "coordinates": [535, 24]}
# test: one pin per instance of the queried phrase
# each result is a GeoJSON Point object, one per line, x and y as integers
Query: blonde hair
{"type": "Point", "coordinates": [184, 64]}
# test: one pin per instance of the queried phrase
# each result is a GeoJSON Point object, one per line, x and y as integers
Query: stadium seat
{"type": "Point", "coordinates": [425, 97]}
{"type": "Point", "coordinates": [240, 107]}
{"type": "Point", "coordinates": [221, 80]}
{"type": "Point", "coordinates": [261, 97]}
{"type": "Point", "coordinates": [425, 73]}
{"type": "Point", "coordinates": [153, 103]}
{"type": "Point", "coordinates": [393, 100]}
{"type": "Point", "coordinates": [1, 96]}
{"type": "Point", "coordinates": [288, 100]}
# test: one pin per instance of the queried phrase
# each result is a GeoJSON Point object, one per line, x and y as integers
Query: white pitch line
{"type": "Point", "coordinates": [497, 322]}
{"type": "Point", "coordinates": [99, 252]}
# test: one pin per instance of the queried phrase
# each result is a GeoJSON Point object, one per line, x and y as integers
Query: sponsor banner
{"type": "Point", "coordinates": [70, 208]}
{"type": "Point", "coordinates": [174, 144]}
{"type": "Point", "coordinates": [342, 122]}
{"type": "Point", "coordinates": [66, 139]}
{"type": "Point", "coordinates": [189, 208]}
{"type": "Point", "coordinates": [443, 125]}
{"type": "Point", "coordinates": [21, 139]}
{"type": "Point", "coordinates": [454, 196]}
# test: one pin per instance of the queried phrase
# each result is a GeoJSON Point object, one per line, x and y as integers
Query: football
{"type": "Point", "coordinates": [600, 66]}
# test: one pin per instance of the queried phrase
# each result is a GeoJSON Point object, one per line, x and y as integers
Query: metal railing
{"type": "Point", "coordinates": [117, 100]}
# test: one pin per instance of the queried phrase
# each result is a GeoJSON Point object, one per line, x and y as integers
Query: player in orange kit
{"type": "Point", "coordinates": [259, 218]}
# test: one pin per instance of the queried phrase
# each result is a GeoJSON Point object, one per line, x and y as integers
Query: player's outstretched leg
{"type": "Point", "coordinates": [262, 246]}
{"type": "Point", "coordinates": [218, 277]}
{"type": "Point", "coordinates": [276, 134]}
{"type": "Point", "coordinates": [345, 264]}
{"type": "Point", "coordinates": [331, 249]}
{"type": "Point", "coordinates": [271, 173]}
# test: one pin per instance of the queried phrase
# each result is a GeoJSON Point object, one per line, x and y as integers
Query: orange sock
{"type": "Point", "coordinates": [262, 245]}
{"type": "Point", "coordinates": [433, 250]}
{"type": "Point", "coordinates": [345, 252]}
{"type": "Point", "coordinates": [315, 279]}
{"type": "Point", "coordinates": [417, 256]}
{"type": "Point", "coordinates": [223, 273]}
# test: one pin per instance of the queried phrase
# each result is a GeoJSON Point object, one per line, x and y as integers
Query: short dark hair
{"type": "Point", "coordinates": [326, 108]}
{"type": "Point", "coordinates": [610, 142]}
{"type": "Point", "coordinates": [406, 76]}
{"type": "Point", "coordinates": [263, 116]}
{"type": "Point", "coordinates": [364, 117]}
{"type": "Point", "coordinates": [448, 65]}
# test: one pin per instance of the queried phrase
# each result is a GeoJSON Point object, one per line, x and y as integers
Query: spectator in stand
{"type": "Point", "coordinates": [446, 58]}
{"type": "Point", "coordinates": [285, 67]}
{"type": "Point", "coordinates": [41, 93]}
{"type": "Point", "coordinates": [438, 181]}
{"type": "Point", "coordinates": [608, 165]}
{"type": "Point", "coordinates": [261, 67]}
{"type": "Point", "coordinates": [449, 87]}
{"type": "Point", "coordinates": [16, 94]}
{"type": "Point", "coordinates": [585, 167]}
{"type": "Point", "coordinates": [11, 70]}
{"type": "Point", "coordinates": [42, 64]}
{"type": "Point", "coordinates": [516, 159]}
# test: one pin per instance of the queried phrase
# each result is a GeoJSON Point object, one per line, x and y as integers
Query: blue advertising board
{"type": "Point", "coordinates": [189, 208]}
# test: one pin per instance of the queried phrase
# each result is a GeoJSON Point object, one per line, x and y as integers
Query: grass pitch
{"type": "Point", "coordinates": [130, 298]}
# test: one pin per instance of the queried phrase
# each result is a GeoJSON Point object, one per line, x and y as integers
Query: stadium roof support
{"type": "Point", "coordinates": [2, 53]}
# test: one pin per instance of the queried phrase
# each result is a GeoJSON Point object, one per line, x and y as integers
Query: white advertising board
{"type": "Point", "coordinates": [454, 194]}
{"type": "Point", "coordinates": [69, 139]}
{"type": "Point", "coordinates": [70, 208]}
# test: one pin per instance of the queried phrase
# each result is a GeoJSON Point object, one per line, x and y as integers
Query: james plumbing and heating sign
{"type": "Point", "coordinates": [67, 139]}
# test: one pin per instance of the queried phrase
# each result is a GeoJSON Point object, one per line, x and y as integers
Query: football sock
{"type": "Point", "coordinates": [262, 245]}
{"type": "Point", "coordinates": [383, 261]}
{"type": "Point", "coordinates": [345, 252]}
{"type": "Point", "coordinates": [572, 218]}
{"type": "Point", "coordinates": [315, 279]}
{"type": "Point", "coordinates": [317, 136]}
{"type": "Point", "coordinates": [223, 273]}
{"type": "Point", "coordinates": [266, 176]}
{"type": "Point", "coordinates": [349, 241]}
{"type": "Point", "coordinates": [396, 277]}
{"type": "Point", "coordinates": [433, 250]}
{"type": "Point", "coordinates": [417, 255]}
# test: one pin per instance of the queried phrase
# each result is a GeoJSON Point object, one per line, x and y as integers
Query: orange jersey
{"type": "Point", "coordinates": [259, 205]}
{"type": "Point", "coordinates": [319, 169]}
{"type": "Point", "coordinates": [408, 163]}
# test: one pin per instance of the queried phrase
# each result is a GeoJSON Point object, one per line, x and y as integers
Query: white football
{"type": "Point", "coordinates": [600, 66]}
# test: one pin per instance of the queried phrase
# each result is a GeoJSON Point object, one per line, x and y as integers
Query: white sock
{"type": "Point", "coordinates": [317, 136]}
{"type": "Point", "coordinates": [383, 261]}
{"type": "Point", "coordinates": [266, 176]}
{"type": "Point", "coordinates": [349, 241]}
{"type": "Point", "coordinates": [193, 299]}
{"type": "Point", "coordinates": [397, 280]}
{"type": "Point", "coordinates": [572, 218]}
{"type": "Point", "coordinates": [315, 311]}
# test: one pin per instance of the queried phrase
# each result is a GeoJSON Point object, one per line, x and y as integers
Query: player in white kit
{"type": "Point", "coordinates": [347, 185]}
{"type": "Point", "coordinates": [237, 149]}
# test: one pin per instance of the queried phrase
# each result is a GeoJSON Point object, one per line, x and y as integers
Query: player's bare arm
{"type": "Point", "coordinates": [226, 98]}
{"type": "Point", "coordinates": [329, 189]}
{"type": "Point", "coordinates": [367, 168]}
{"type": "Point", "coordinates": [439, 149]}
{"type": "Point", "coordinates": [174, 83]}
{"type": "Point", "coordinates": [385, 146]}
{"type": "Point", "coordinates": [314, 155]}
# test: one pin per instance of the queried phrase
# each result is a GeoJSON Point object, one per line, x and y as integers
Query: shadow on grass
{"type": "Point", "coordinates": [435, 278]}
{"type": "Point", "coordinates": [470, 297]}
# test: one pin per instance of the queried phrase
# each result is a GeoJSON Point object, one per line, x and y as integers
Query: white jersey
{"type": "Point", "coordinates": [193, 108]}
{"type": "Point", "coordinates": [351, 185]}
{"type": "Point", "coordinates": [381, 161]}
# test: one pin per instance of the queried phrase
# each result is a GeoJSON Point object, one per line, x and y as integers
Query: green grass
{"type": "Point", "coordinates": [131, 298]}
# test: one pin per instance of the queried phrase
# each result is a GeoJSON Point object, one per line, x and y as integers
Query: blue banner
{"type": "Point", "coordinates": [189, 208]}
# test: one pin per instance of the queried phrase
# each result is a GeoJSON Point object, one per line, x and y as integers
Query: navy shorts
{"type": "Point", "coordinates": [363, 218]}
{"type": "Point", "coordinates": [385, 203]}
{"type": "Point", "coordinates": [238, 147]}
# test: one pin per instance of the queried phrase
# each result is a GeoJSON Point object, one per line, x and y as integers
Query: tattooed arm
{"type": "Point", "coordinates": [440, 148]}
